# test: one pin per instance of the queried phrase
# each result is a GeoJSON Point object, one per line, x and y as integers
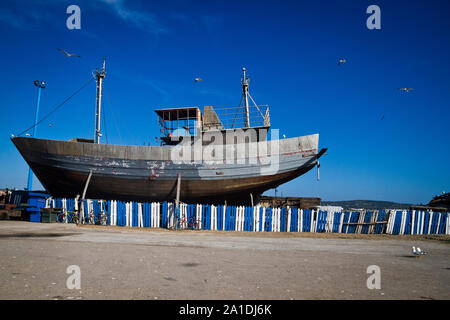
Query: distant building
{"type": "Point", "coordinates": [294, 202]}
{"type": "Point", "coordinates": [442, 201]}
{"type": "Point", "coordinates": [438, 204]}
{"type": "Point", "coordinates": [330, 209]}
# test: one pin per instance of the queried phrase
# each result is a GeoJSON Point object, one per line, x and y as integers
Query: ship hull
{"type": "Point", "coordinates": [135, 173]}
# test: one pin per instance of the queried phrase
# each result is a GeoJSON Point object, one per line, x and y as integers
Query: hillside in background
{"type": "Point", "coordinates": [367, 204]}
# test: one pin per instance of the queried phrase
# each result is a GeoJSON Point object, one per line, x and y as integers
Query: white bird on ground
{"type": "Point", "coordinates": [198, 79]}
{"type": "Point", "coordinates": [421, 252]}
{"type": "Point", "coordinates": [406, 89]}
{"type": "Point", "coordinates": [418, 252]}
{"type": "Point", "coordinates": [68, 55]}
{"type": "Point", "coordinates": [341, 61]}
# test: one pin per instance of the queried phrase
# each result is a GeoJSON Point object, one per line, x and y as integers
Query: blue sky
{"type": "Point", "coordinates": [383, 144]}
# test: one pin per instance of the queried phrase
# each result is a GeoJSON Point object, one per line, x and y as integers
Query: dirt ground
{"type": "Point", "coordinates": [126, 263]}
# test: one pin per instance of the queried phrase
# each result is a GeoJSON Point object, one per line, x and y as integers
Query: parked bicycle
{"type": "Point", "coordinates": [189, 224]}
{"type": "Point", "coordinates": [67, 216]}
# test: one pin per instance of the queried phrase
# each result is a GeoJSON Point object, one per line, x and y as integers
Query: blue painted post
{"type": "Point", "coordinates": [346, 220]}
{"type": "Point", "coordinates": [320, 215]}
{"type": "Point", "coordinates": [337, 220]}
{"type": "Point", "coordinates": [228, 218]}
{"type": "Point", "coordinates": [149, 214]}
{"type": "Point", "coordinates": [208, 217]}
{"type": "Point", "coordinates": [233, 223]}
{"type": "Point", "coordinates": [122, 213]}
{"type": "Point", "coordinates": [305, 220]}
{"type": "Point", "coordinates": [443, 222]}
{"type": "Point", "coordinates": [408, 222]}
{"type": "Point", "coordinates": [397, 221]}
{"type": "Point", "coordinates": [294, 220]}
{"type": "Point", "coordinates": [119, 213]}
{"type": "Point", "coordinates": [269, 219]}
{"type": "Point", "coordinates": [144, 214]}
{"type": "Point", "coordinates": [245, 218]}
{"type": "Point", "coordinates": [164, 215]}
{"type": "Point", "coordinates": [319, 220]}
{"type": "Point", "coordinates": [308, 220]}
{"type": "Point", "coordinates": [355, 218]}
{"type": "Point", "coordinates": [204, 222]}
{"type": "Point", "coordinates": [249, 219]}
{"type": "Point", "coordinates": [349, 219]}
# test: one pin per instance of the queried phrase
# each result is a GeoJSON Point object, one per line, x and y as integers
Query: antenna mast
{"type": "Point", "coordinates": [244, 82]}
{"type": "Point", "coordinates": [99, 75]}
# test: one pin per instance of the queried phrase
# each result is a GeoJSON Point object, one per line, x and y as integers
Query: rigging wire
{"type": "Point", "coordinates": [56, 108]}
{"type": "Point", "coordinates": [114, 117]}
{"type": "Point", "coordinates": [104, 123]}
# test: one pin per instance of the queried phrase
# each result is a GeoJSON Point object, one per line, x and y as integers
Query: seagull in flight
{"type": "Point", "coordinates": [341, 61]}
{"type": "Point", "coordinates": [198, 80]}
{"type": "Point", "coordinates": [68, 55]}
{"type": "Point", "coordinates": [406, 89]}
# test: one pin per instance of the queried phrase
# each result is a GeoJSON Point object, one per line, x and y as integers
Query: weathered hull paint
{"type": "Point", "coordinates": [136, 173]}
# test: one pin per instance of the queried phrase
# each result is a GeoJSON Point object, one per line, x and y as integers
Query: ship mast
{"type": "Point", "coordinates": [244, 82]}
{"type": "Point", "coordinates": [99, 75]}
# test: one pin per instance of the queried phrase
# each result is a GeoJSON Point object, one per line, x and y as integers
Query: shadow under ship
{"type": "Point", "coordinates": [211, 156]}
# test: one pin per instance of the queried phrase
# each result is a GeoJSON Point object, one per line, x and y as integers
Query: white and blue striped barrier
{"type": "Point", "coordinates": [257, 218]}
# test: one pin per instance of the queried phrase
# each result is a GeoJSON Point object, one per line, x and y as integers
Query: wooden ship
{"type": "Point", "coordinates": [211, 156]}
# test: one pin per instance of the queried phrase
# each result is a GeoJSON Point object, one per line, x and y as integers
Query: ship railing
{"type": "Point", "coordinates": [235, 117]}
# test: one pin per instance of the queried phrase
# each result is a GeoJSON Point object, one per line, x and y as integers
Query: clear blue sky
{"type": "Point", "coordinates": [384, 144]}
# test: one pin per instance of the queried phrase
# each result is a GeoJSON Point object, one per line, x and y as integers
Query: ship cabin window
{"type": "Point", "coordinates": [178, 123]}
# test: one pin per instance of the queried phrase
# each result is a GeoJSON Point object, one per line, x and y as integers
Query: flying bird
{"type": "Point", "coordinates": [341, 61]}
{"type": "Point", "coordinates": [68, 55]}
{"type": "Point", "coordinates": [198, 80]}
{"type": "Point", "coordinates": [406, 89]}
{"type": "Point", "coordinates": [28, 135]}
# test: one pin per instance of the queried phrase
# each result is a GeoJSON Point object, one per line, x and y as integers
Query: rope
{"type": "Point", "coordinates": [57, 107]}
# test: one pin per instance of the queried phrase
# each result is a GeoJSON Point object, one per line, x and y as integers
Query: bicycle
{"type": "Point", "coordinates": [189, 224]}
{"type": "Point", "coordinates": [65, 217]}
{"type": "Point", "coordinates": [103, 218]}
{"type": "Point", "coordinates": [62, 216]}
{"type": "Point", "coordinates": [91, 217]}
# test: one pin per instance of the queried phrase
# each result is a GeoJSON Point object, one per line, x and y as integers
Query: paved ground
{"type": "Point", "coordinates": [121, 263]}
